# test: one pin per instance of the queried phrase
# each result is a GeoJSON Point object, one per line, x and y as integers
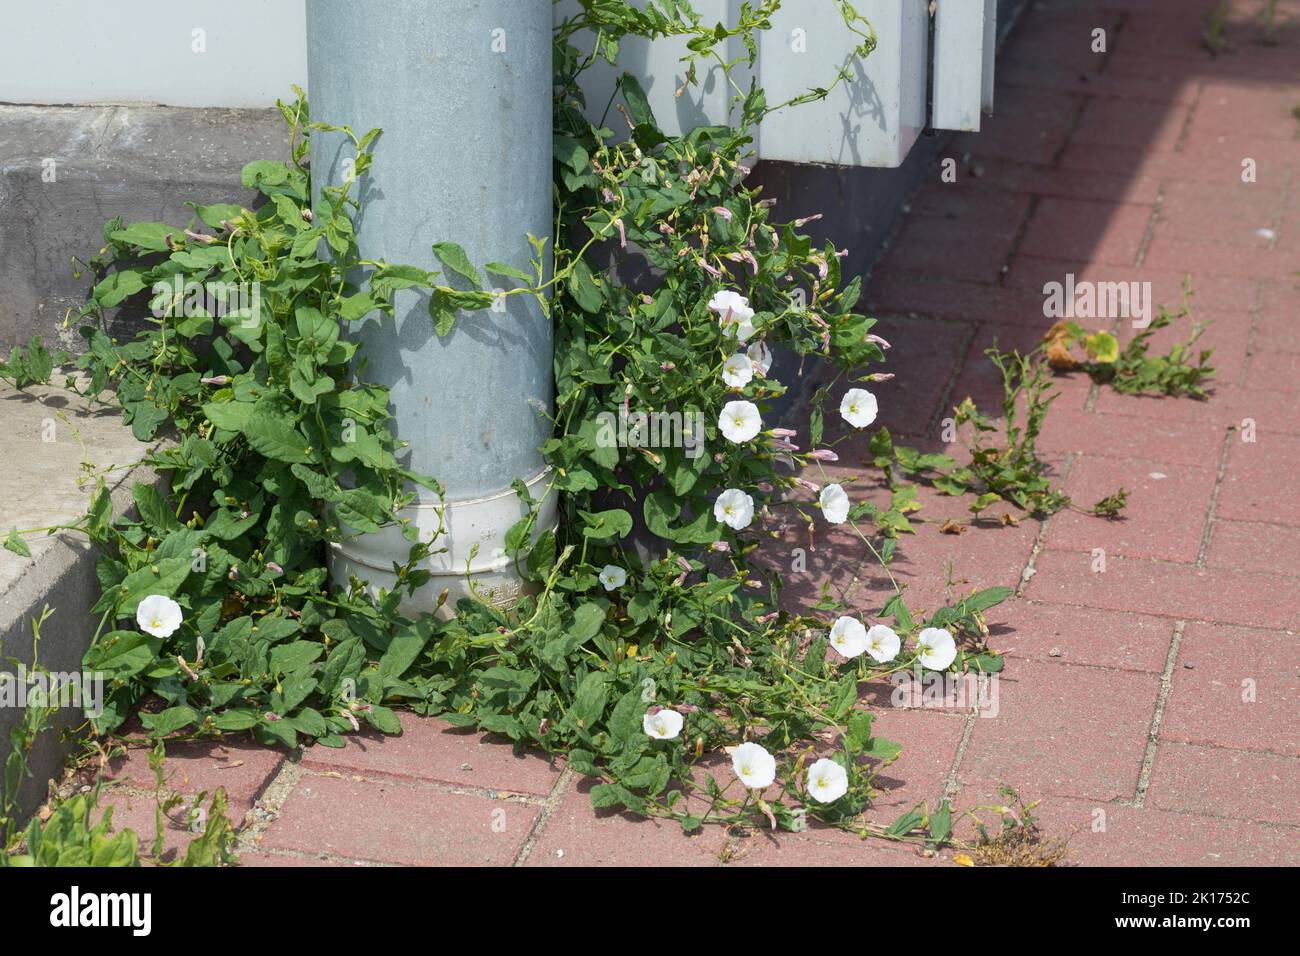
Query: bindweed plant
{"type": "Point", "coordinates": [1009, 470]}
{"type": "Point", "coordinates": [73, 830]}
{"type": "Point", "coordinates": [1133, 370]}
{"type": "Point", "coordinates": [653, 645]}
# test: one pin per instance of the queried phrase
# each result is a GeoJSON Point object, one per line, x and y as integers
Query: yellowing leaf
{"type": "Point", "coordinates": [1102, 347]}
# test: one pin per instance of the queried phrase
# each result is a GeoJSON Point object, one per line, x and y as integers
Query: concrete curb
{"type": "Point", "coordinates": [61, 571]}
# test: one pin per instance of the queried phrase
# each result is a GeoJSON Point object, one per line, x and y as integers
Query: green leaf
{"type": "Point", "coordinates": [166, 580]}
{"type": "Point", "coordinates": [587, 621]}
{"type": "Point", "coordinates": [233, 719]}
{"type": "Point", "coordinates": [116, 287]}
{"type": "Point", "coordinates": [14, 542]}
{"type": "Point", "coordinates": [276, 438]}
{"type": "Point", "coordinates": [605, 525]}
{"type": "Point", "coordinates": [504, 269]}
{"type": "Point", "coordinates": [878, 748]}
{"type": "Point", "coordinates": [168, 721]}
{"type": "Point", "coordinates": [122, 654]}
{"type": "Point", "coordinates": [638, 105]}
{"type": "Point", "coordinates": [583, 287]}
{"type": "Point", "coordinates": [310, 722]}
{"type": "Point", "coordinates": [154, 511]}
{"type": "Point", "coordinates": [229, 416]}
{"type": "Point", "coordinates": [983, 600]}
{"type": "Point", "coordinates": [615, 795]}
{"type": "Point", "coordinates": [589, 700]}
{"type": "Point", "coordinates": [150, 236]}
{"type": "Point", "coordinates": [383, 720]}
{"type": "Point", "coordinates": [402, 651]}
{"type": "Point", "coordinates": [905, 823]}
{"type": "Point", "coordinates": [122, 850]}
{"type": "Point", "coordinates": [263, 172]}
{"type": "Point", "coordinates": [453, 257]}
{"type": "Point", "coordinates": [287, 658]}
{"type": "Point", "coordinates": [941, 823]}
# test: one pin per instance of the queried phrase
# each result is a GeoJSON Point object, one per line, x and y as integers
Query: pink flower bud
{"type": "Point", "coordinates": [723, 211]}
{"type": "Point", "coordinates": [823, 454]}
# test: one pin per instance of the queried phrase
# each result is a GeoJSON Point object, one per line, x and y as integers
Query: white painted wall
{"type": "Point", "coordinates": [146, 51]}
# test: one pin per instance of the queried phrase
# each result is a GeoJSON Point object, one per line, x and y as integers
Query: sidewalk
{"type": "Point", "coordinates": [1121, 705]}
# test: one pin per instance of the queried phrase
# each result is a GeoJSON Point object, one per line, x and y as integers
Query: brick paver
{"type": "Point", "coordinates": [1065, 730]}
{"type": "Point", "coordinates": [400, 823]}
{"type": "Point", "coordinates": [1118, 166]}
{"type": "Point", "coordinates": [1082, 635]}
{"type": "Point", "coordinates": [1237, 688]}
{"type": "Point", "coordinates": [241, 767]}
{"type": "Point", "coordinates": [1226, 783]}
{"type": "Point", "coordinates": [431, 750]}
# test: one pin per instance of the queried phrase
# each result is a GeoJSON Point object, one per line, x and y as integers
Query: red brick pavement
{"type": "Point", "coordinates": [1151, 705]}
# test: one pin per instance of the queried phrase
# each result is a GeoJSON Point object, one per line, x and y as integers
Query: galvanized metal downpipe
{"type": "Point", "coordinates": [462, 91]}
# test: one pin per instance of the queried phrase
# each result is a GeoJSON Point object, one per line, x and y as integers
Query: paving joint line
{"type": "Point", "coordinates": [267, 807]}
{"type": "Point", "coordinates": [1255, 312]}
{"type": "Point", "coordinates": [1214, 622]}
{"type": "Point", "coordinates": [1120, 23]}
{"type": "Point", "coordinates": [1030, 569]}
{"type": "Point", "coordinates": [1019, 238]}
{"type": "Point", "coordinates": [1278, 216]}
{"type": "Point", "coordinates": [1211, 745]}
{"type": "Point", "coordinates": [1191, 115]}
{"type": "Point", "coordinates": [1153, 734]}
{"type": "Point", "coordinates": [945, 397]}
{"type": "Point", "coordinates": [333, 858]}
{"type": "Point", "coordinates": [950, 784]}
{"type": "Point", "coordinates": [1094, 392]}
{"type": "Point", "coordinates": [1062, 662]}
{"type": "Point", "coordinates": [1194, 815]}
{"type": "Point", "coordinates": [503, 794]}
{"type": "Point", "coordinates": [1085, 100]}
{"type": "Point", "coordinates": [558, 792]}
{"type": "Point", "coordinates": [1149, 232]}
{"type": "Point", "coordinates": [1207, 530]}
